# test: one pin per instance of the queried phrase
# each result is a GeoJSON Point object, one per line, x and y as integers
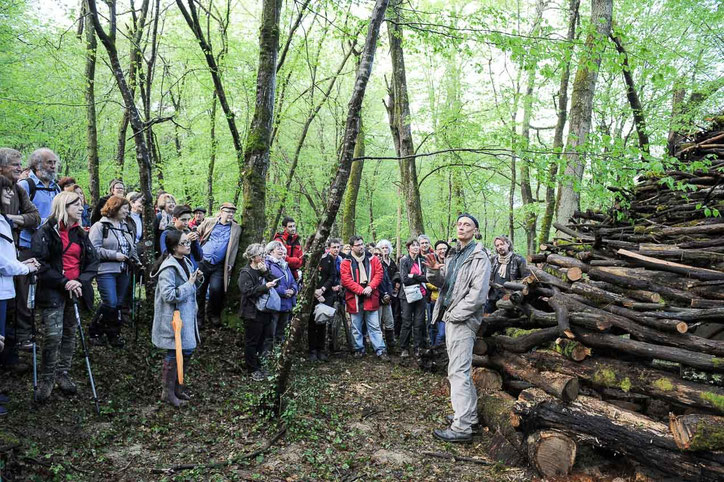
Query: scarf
{"type": "Point", "coordinates": [362, 272]}
{"type": "Point", "coordinates": [504, 261]}
{"type": "Point", "coordinates": [453, 266]}
{"type": "Point", "coordinates": [279, 262]}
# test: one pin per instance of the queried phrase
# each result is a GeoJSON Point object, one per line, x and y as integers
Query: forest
{"type": "Point", "coordinates": [588, 132]}
{"type": "Point", "coordinates": [497, 108]}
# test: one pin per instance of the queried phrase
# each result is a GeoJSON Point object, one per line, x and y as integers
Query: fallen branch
{"type": "Point", "coordinates": [232, 461]}
{"type": "Point", "coordinates": [456, 458]}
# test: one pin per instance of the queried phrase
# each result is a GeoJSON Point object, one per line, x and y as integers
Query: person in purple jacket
{"type": "Point", "coordinates": [286, 287]}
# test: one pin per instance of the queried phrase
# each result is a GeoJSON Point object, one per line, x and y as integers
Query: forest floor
{"type": "Point", "coordinates": [348, 419]}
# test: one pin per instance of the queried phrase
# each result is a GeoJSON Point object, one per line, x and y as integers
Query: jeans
{"type": "Point", "coordinates": [372, 319]}
{"type": "Point", "coordinates": [214, 283]}
{"type": "Point", "coordinates": [440, 336]}
{"type": "Point", "coordinates": [58, 325]}
{"type": "Point", "coordinates": [112, 288]}
{"type": "Point", "coordinates": [413, 323]}
{"type": "Point", "coordinates": [171, 355]}
{"type": "Point", "coordinates": [254, 331]}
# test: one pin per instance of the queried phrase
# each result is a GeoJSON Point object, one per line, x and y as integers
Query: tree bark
{"type": "Point", "coordinates": [256, 153]}
{"type": "Point", "coordinates": [633, 97]}
{"type": "Point", "coordinates": [562, 113]}
{"type": "Point", "coordinates": [584, 87]}
{"type": "Point", "coordinates": [349, 209]}
{"type": "Point", "coordinates": [556, 384]}
{"type": "Point", "coordinates": [401, 108]}
{"type": "Point", "coordinates": [335, 195]}
{"type": "Point", "coordinates": [90, 99]}
{"type": "Point", "coordinates": [696, 432]}
{"type": "Point", "coordinates": [212, 154]}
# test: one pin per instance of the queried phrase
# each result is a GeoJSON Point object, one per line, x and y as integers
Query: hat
{"type": "Point", "coordinates": [471, 217]}
{"type": "Point", "coordinates": [199, 210]}
{"type": "Point", "coordinates": [227, 206]}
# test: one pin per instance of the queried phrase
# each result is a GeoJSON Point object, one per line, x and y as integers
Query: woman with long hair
{"type": "Point", "coordinates": [68, 264]}
{"type": "Point", "coordinates": [175, 290]}
{"type": "Point", "coordinates": [9, 265]}
{"type": "Point", "coordinates": [116, 250]}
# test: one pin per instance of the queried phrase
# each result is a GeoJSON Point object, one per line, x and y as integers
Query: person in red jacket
{"type": "Point", "coordinates": [362, 275]}
{"type": "Point", "coordinates": [290, 240]}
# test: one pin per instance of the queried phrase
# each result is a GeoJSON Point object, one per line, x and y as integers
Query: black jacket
{"type": "Point", "coordinates": [47, 248]}
{"type": "Point", "coordinates": [96, 213]}
{"type": "Point", "coordinates": [517, 269]}
{"type": "Point", "coordinates": [406, 266]}
{"type": "Point", "coordinates": [328, 277]}
{"type": "Point", "coordinates": [251, 287]}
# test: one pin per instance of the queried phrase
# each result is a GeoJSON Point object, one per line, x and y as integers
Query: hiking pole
{"type": "Point", "coordinates": [33, 278]}
{"type": "Point", "coordinates": [85, 352]}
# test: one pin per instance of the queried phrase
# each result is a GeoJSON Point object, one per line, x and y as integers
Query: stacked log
{"type": "Point", "coordinates": [616, 338]}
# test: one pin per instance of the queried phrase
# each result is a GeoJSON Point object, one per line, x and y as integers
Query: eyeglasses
{"type": "Point", "coordinates": [358, 245]}
{"type": "Point", "coordinates": [185, 243]}
{"type": "Point", "coordinates": [378, 254]}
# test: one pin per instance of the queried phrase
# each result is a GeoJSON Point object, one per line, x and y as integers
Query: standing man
{"type": "Point", "coordinates": [219, 242]}
{"type": "Point", "coordinates": [506, 265]}
{"type": "Point", "coordinates": [327, 292]}
{"type": "Point", "coordinates": [42, 189]}
{"type": "Point", "coordinates": [463, 282]}
{"type": "Point", "coordinates": [199, 215]}
{"type": "Point", "coordinates": [361, 276]}
{"type": "Point", "coordinates": [290, 239]}
{"type": "Point", "coordinates": [425, 245]}
{"type": "Point", "coordinates": [23, 214]}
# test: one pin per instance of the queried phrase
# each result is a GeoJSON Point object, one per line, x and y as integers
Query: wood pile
{"type": "Point", "coordinates": [616, 338]}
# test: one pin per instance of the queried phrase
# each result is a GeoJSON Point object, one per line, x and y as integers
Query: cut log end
{"type": "Point", "coordinates": [552, 453]}
{"type": "Point", "coordinates": [695, 432]}
{"type": "Point", "coordinates": [682, 327]}
{"type": "Point", "coordinates": [574, 273]}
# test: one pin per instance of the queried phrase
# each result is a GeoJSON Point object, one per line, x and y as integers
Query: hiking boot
{"type": "Point", "coordinates": [168, 380]}
{"type": "Point", "coordinates": [417, 352]}
{"type": "Point", "coordinates": [449, 435]}
{"type": "Point", "coordinates": [383, 357]}
{"type": "Point", "coordinates": [45, 388]}
{"type": "Point", "coordinates": [258, 376]}
{"type": "Point", "coordinates": [475, 427]}
{"type": "Point", "coordinates": [313, 356]}
{"type": "Point", "coordinates": [66, 384]}
{"type": "Point", "coordinates": [322, 356]}
{"type": "Point", "coordinates": [98, 340]}
{"type": "Point", "coordinates": [405, 354]}
{"type": "Point", "coordinates": [116, 341]}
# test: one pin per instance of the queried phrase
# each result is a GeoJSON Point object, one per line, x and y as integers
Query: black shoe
{"type": "Point", "coordinates": [449, 435]}
{"type": "Point", "coordinates": [384, 357]}
{"type": "Point", "coordinates": [359, 354]}
{"type": "Point", "coordinates": [475, 427]}
{"type": "Point", "coordinates": [322, 356]}
{"type": "Point", "coordinates": [313, 356]}
{"type": "Point", "coordinates": [116, 341]}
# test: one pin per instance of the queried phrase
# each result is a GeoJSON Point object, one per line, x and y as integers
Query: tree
{"type": "Point", "coordinates": [584, 86]}
{"type": "Point", "coordinates": [256, 153]}
{"type": "Point", "coordinates": [562, 115]}
{"type": "Point", "coordinates": [85, 28]}
{"type": "Point", "coordinates": [138, 126]}
{"type": "Point", "coordinates": [336, 192]}
{"type": "Point", "coordinates": [349, 210]}
{"type": "Point", "coordinates": [399, 105]}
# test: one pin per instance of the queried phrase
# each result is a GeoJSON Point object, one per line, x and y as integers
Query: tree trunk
{"type": "Point", "coordinates": [335, 195]}
{"type": "Point", "coordinates": [561, 386]}
{"type": "Point", "coordinates": [90, 100]}
{"type": "Point", "coordinates": [143, 157]}
{"type": "Point", "coordinates": [633, 97]}
{"type": "Point", "coordinates": [401, 108]}
{"type": "Point", "coordinates": [212, 155]}
{"type": "Point", "coordinates": [584, 87]}
{"type": "Point", "coordinates": [349, 209]}
{"type": "Point", "coordinates": [495, 410]}
{"type": "Point", "coordinates": [256, 154]}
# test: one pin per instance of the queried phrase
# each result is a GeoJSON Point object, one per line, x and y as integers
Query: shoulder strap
{"type": "Point", "coordinates": [32, 187]}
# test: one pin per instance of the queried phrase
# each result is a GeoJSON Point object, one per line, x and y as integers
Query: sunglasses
{"type": "Point", "coordinates": [378, 254]}
{"type": "Point", "coordinates": [185, 243]}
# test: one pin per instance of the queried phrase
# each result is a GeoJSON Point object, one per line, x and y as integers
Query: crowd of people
{"type": "Point", "coordinates": [55, 250]}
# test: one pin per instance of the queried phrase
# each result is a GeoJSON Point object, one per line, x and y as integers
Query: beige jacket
{"type": "Point", "coordinates": [470, 292]}
{"type": "Point", "coordinates": [204, 231]}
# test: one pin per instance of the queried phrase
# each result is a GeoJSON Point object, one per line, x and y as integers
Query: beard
{"type": "Point", "coordinates": [45, 175]}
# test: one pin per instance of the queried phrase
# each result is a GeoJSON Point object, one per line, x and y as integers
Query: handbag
{"type": "Point", "coordinates": [269, 301]}
{"type": "Point", "coordinates": [413, 293]}
{"type": "Point", "coordinates": [323, 314]}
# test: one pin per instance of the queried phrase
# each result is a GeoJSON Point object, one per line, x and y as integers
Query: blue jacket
{"type": "Point", "coordinates": [287, 282]}
{"type": "Point", "coordinates": [42, 196]}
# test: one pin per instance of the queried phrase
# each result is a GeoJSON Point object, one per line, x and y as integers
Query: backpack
{"type": "Point", "coordinates": [33, 188]}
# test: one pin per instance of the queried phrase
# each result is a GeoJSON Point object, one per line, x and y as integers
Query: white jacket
{"type": "Point", "coordinates": [9, 264]}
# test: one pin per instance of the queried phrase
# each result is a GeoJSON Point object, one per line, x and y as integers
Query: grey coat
{"type": "Point", "coordinates": [469, 293]}
{"type": "Point", "coordinates": [174, 292]}
{"type": "Point", "coordinates": [108, 247]}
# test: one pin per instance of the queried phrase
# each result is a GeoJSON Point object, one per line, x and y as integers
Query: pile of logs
{"type": "Point", "coordinates": [616, 338]}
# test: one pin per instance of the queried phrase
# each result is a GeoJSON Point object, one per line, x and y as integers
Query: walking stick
{"type": "Point", "coordinates": [87, 356]}
{"type": "Point", "coordinates": [33, 278]}
{"type": "Point", "coordinates": [176, 323]}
